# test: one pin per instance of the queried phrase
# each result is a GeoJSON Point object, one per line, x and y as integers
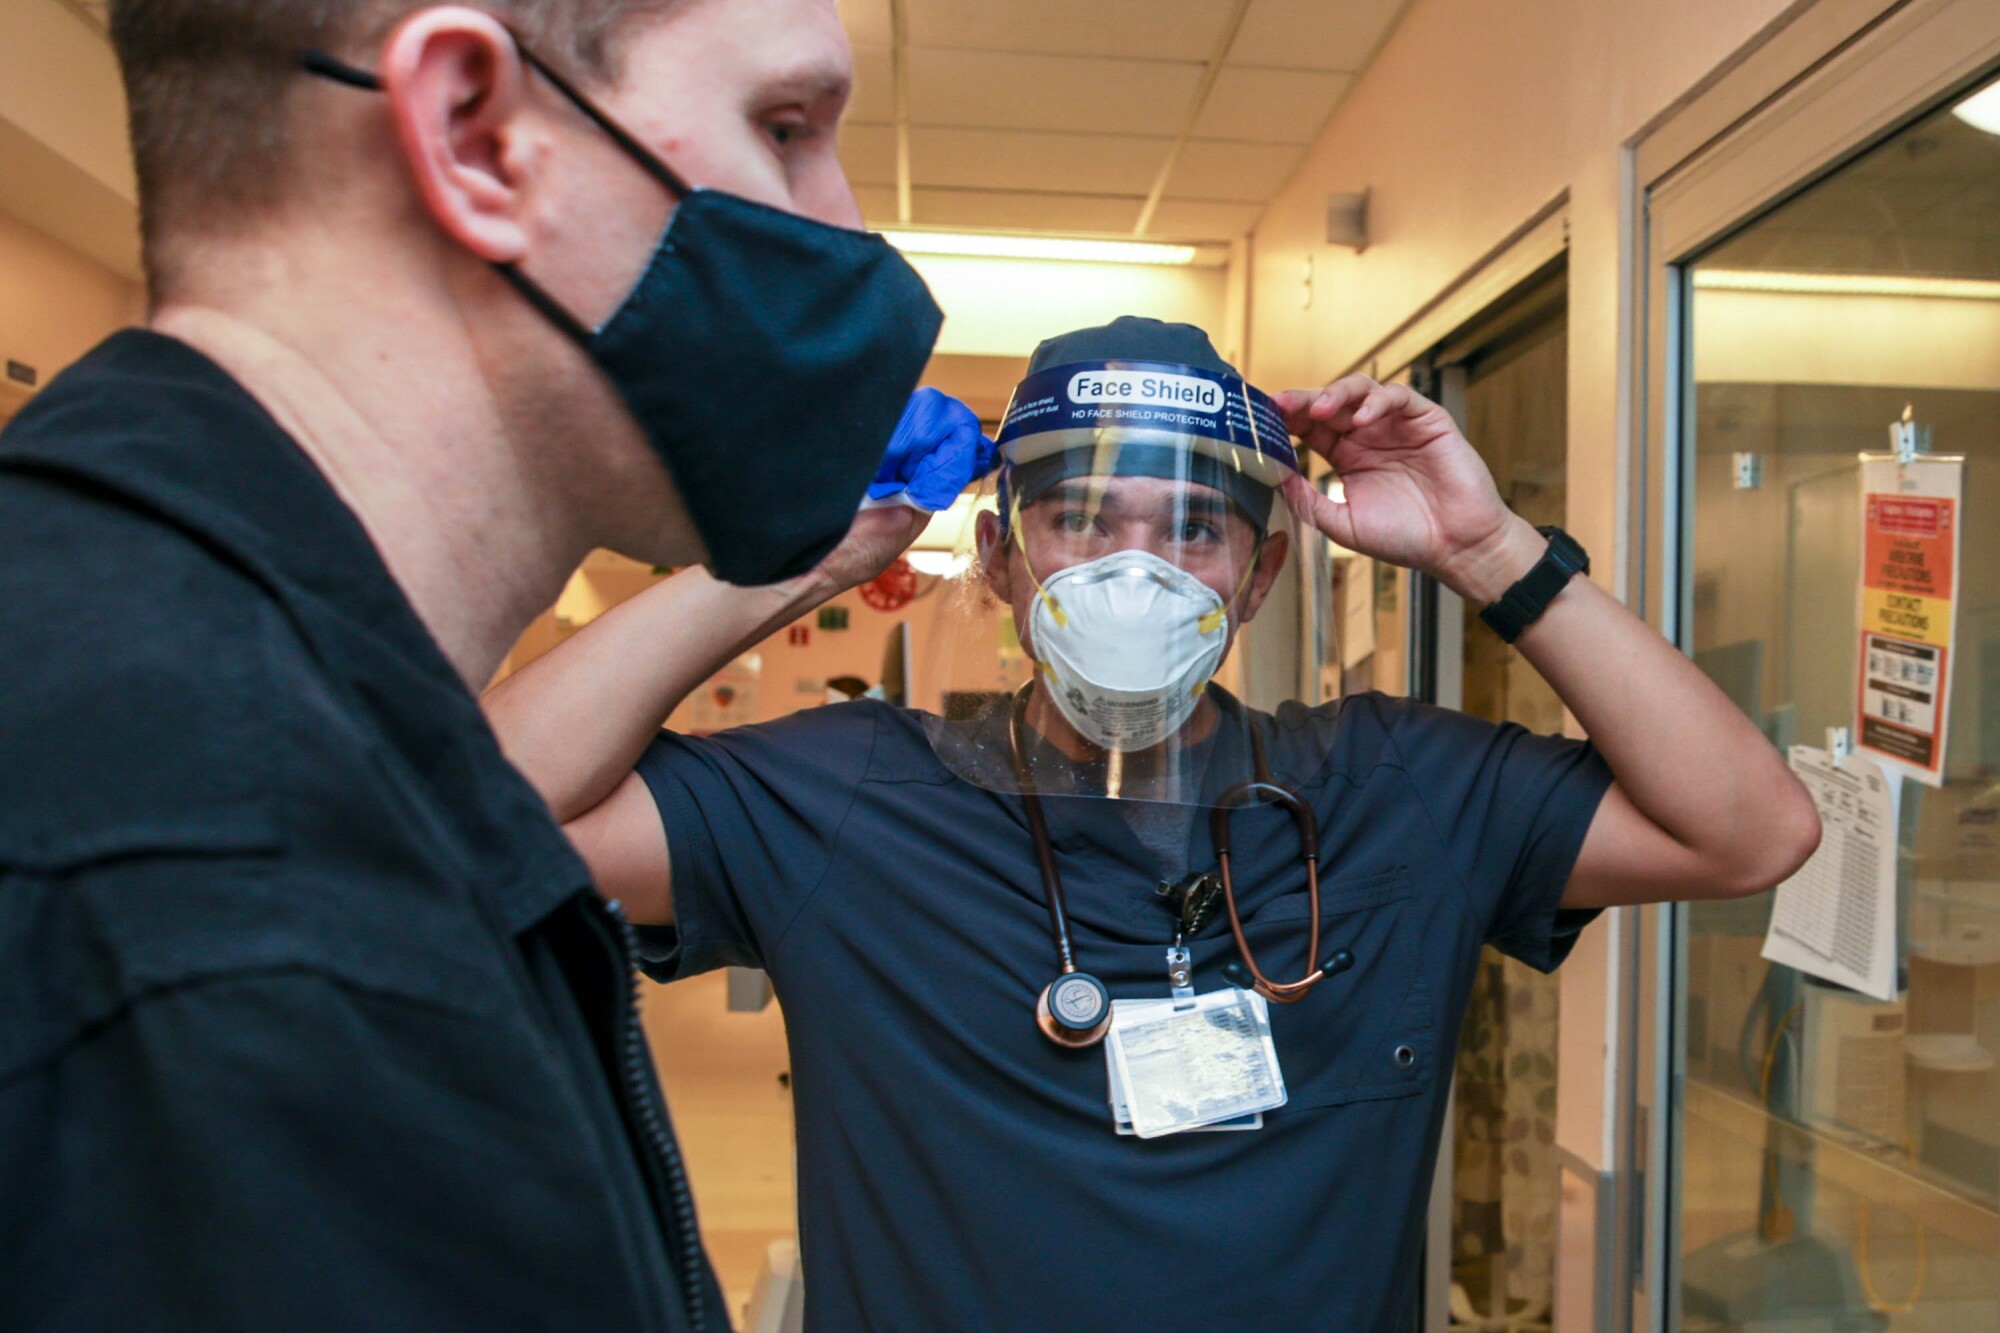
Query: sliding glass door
{"type": "Point", "coordinates": [1839, 1154]}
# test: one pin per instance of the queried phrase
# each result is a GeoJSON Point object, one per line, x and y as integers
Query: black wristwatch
{"type": "Point", "coordinates": [1522, 605]}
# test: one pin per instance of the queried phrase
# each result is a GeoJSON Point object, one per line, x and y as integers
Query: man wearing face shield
{"type": "Point", "coordinates": [1118, 1003]}
{"type": "Point", "coordinates": [313, 1017]}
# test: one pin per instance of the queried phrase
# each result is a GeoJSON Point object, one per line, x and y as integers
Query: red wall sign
{"type": "Point", "coordinates": [893, 589]}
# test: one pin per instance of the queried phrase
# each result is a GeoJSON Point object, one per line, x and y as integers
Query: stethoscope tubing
{"type": "Point", "coordinates": [1262, 785]}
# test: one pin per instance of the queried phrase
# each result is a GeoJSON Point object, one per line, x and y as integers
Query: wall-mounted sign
{"type": "Point", "coordinates": [893, 589]}
{"type": "Point", "coordinates": [1909, 569]}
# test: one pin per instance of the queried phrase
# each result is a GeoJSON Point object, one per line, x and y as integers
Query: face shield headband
{"type": "Point", "coordinates": [1144, 419]}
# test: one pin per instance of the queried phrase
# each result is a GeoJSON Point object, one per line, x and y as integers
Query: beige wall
{"type": "Point", "coordinates": [1475, 116]}
{"type": "Point", "coordinates": [54, 303]}
{"type": "Point", "coordinates": [64, 163]}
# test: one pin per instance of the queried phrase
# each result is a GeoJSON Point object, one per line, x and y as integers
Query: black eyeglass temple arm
{"type": "Point", "coordinates": [328, 67]}
{"type": "Point", "coordinates": [324, 65]}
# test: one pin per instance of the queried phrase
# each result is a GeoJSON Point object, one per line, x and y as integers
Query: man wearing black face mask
{"type": "Point", "coordinates": [313, 1018]}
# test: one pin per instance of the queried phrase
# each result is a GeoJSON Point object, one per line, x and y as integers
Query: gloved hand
{"type": "Point", "coordinates": [936, 452]}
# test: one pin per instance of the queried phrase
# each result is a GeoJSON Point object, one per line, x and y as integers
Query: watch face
{"type": "Point", "coordinates": [1566, 550]}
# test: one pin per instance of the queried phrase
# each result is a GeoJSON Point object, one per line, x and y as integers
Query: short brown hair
{"type": "Point", "coordinates": [207, 83]}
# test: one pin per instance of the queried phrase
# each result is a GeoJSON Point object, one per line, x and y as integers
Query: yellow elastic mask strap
{"type": "Point", "coordinates": [1212, 622]}
{"type": "Point", "coordinates": [1014, 526]}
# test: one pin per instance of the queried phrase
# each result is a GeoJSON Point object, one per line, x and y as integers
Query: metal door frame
{"type": "Point", "coordinates": [1436, 647]}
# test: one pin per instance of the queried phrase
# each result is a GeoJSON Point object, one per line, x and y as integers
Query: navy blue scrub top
{"type": "Point", "coordinates": [957, 1169]}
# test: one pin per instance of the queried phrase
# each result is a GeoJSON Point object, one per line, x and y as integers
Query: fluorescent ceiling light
{"type": "Point", "coordinates": [986, 245]}
{"type": "Point", "coordinates": [1982, 109]}
{"type": "Point", "coordinates": [1844, 284]}
{"type": "Point", "coordinates": [941, 564]}
{"type": "Point", "coordinates": [951, 529]}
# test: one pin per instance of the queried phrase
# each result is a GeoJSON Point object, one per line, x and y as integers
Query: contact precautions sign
{"type": "Point", "coordinates": [1909, 568]}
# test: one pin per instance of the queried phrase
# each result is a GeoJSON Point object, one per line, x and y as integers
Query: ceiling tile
{"type": "Point", "coordinates": [1034, 92]}
{"type": "Point", "coordinates": [874, 86]}
{"type": "Point", "coordinates": [1146, 29]}
{"type": "Point", "coordinates": [1247, 172]}
{"type": "Point", "coordinates": [1269, 105]}
{"type": "Point", "coordinates": [1014, 160]}
{"type": "Point", "coordinates": [867, 22]}
{"type": "Point", "coordinates": [1313, 34]}
{"type": "Point", "coordinates": [868, 152]}
{"type": "Point", "coordinates": [1202, 220]}
{"type": "Point", "coordinates": [1026, 211]}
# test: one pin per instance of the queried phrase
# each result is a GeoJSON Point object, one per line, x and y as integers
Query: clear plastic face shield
{"type": "Point", "coordinates": [1089, 645]}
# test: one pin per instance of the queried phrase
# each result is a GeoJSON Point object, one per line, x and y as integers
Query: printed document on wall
{"type": "Point", "coordinates": [1909, 566]}
{"type": "Point", "coordinates": [1836, 918]}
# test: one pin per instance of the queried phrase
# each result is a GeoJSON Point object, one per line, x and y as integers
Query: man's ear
{"type": "Point", "coordinates": [457, 90]}
{"type": "Point", "coordinates": [993, 555]}
{"type": "Point", "coordinates": [1270, 560]}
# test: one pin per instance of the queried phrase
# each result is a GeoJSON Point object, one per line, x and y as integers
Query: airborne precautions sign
{"type": "Point", "coordinates": [1909, 568]}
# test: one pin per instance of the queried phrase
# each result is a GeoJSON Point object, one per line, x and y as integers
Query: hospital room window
{"type": "Point", "coordinates": [1840, 1153]}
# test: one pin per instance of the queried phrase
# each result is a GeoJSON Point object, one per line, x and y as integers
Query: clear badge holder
{"type": "Point", "coordinates": [1190, 1062]}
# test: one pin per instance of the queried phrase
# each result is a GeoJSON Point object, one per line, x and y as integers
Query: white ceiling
{"type": "Point", "coordinates": [1057, 115]}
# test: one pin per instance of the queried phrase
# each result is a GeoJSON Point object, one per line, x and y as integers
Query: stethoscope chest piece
{"type": "Point", "coordinates": [1074, 1010]}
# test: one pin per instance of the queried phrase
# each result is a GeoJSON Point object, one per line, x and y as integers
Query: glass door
{"type": "Point", "coordinates": [1839, 1155]}
{"type": "Point", "coordinates": [1503, 375]}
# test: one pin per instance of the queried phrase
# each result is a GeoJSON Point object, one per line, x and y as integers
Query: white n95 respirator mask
{"type": "Point", "coordinates": [1128, 642]}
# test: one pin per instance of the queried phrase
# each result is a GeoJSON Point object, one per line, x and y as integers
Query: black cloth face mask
{"type": "Point", "coordinates": [766, 356]}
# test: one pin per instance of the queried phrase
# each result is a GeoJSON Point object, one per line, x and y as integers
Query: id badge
{"type": "Point", "coordinates": [1121, 1113]}
{"type": "Point", "coordinates": [1175, 1066]}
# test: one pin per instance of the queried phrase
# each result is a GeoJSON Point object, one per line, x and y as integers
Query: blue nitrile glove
{"type": "Point", "coordinates": [936, 452]}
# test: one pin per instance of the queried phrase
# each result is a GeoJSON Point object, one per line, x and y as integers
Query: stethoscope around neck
{"type": "Point", "coordinates": [1075, 1009]}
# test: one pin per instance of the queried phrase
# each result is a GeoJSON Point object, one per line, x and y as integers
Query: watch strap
{"type": "Point", "coordinates": [1523, 604]}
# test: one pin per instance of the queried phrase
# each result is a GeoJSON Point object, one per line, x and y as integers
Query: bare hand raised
{"type": "Point", "coordinates": [878, 536]}
{"type": "Point", "coordinates": [1417, 494]}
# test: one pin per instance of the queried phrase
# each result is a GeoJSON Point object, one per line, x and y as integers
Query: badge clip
{"type": "Point", "coordinates": [1180, 974]}
{"type": "Point", "coordinates": [1907, 439]}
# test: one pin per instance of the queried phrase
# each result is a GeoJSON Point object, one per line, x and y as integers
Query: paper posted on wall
{"type": "Point", "coordinates": [1909, 569]}
{"type": "Point", "coordinates": [1836, 918]}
